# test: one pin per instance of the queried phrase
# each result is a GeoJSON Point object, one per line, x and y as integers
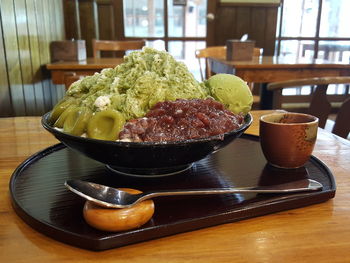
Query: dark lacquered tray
{"type": "Point", "coordinates": [42, 201]}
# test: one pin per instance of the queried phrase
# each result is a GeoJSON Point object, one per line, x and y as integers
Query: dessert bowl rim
{"type": "Point", "coordinates": [248, 119]}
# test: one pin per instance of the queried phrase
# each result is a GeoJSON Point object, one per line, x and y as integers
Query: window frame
{"type": "Point", "coordinates": [118, 5]}
{"type": "Point", "coordinates": [316, 39]}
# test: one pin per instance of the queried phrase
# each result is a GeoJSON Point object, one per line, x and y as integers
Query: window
{"type": "Point", "coordinates": [315, 29]}
{"type": "Point", "coordinates": [143, 18]}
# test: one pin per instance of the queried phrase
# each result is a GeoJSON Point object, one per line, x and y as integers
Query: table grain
{"type": "Point", "coordinates": [317, 233]}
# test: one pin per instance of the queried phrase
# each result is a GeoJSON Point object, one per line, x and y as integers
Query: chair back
{"type": "Point", "coordinates": [257, 51]}
{"type": "Point", "coordinates": [319, 104]}
{"type": "Point", "coordinates": [70, 78]}
{"type": "Point", "coordinates": [115, 45]}
{"type": "Point", "coordinates": [216, 52]}
{"type": "Point", "coordinates": [342, 122]}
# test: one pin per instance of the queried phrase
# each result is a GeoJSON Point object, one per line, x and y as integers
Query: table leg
{"type": "Point", "coordinates": [266, 97]}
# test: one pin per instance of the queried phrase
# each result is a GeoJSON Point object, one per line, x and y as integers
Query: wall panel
{"type": "Point", "coordinates": [89, 19]}
{"type": "Point", "coordinates": [71, 19]}
{"type": "Point", "coordinates": [225, 25]}
{"type": "Point", "coordinates": [12, 57]}
{"type": "Point", "coordinates": [243, 19]}
{"type": "Point", "coordinates": [270, 32]}
{"type": "Point", "coordinates": [258, 25]}
{"type": "Point", "coordinates": [24, 56]}
{"type": "Point", "coordinates": [258, 21]}
{"type": "Point", "coordinates": [5, 97]}
{"type": "Point", "coordinates": [88, 23]}
{"type": "Point", "coordinates": [36, 74]}
{"type": "Point", "coordinates": [106, 20]}
{"type": "Point", "coordinates": [28, 27]}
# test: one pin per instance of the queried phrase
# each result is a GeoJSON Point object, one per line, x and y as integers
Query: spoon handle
{"type": "Point", "coordinates": [295, 186]}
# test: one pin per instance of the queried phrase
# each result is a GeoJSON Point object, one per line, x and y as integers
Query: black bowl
{"type": "Point", "coordinates": [146, 158]}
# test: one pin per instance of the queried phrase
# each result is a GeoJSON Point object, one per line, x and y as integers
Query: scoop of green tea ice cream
{"type": "Point", "coordinates": [231, 91]}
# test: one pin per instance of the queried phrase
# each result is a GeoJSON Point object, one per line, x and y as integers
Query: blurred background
{"type": "Point", "coordinates": [302, 28]}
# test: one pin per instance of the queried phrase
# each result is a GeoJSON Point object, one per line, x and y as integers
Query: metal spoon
{"type": "Point", "coordinates": [113, 198]}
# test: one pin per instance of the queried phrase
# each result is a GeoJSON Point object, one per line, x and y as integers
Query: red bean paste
{"type": "Point", "coordinates": [181, 120]}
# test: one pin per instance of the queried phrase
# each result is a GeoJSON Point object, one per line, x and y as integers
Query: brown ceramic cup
{"type": "Point", "coordinates": [288, 139]}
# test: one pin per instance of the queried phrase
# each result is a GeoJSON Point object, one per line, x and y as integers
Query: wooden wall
{"type": "Point", "coordinates": [259, 21]}
{"type": "Point", "coordinates": [101, 19]}
{"type": "Point", "coordinates": [27, 28]}
{"type": "Point", "coordinates": [89, 19]}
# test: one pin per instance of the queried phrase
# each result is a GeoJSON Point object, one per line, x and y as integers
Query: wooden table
{"type": "Point", "coordinates": [278, 68]}
{"type": "Point", "coordinates": [59, 70]}
{"type": "Point", "coordinates": [317, 233]}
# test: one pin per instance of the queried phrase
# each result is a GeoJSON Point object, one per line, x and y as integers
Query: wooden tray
{"type": "Point", "coordinates": [42, 201]}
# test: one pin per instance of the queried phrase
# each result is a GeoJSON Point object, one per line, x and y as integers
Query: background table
{"type": "Point", "coordinates": [278, 68]}
{"type": "Point", "coordinates": [59, 70]}
{"type": "Point", "coordinates": [317, 233]}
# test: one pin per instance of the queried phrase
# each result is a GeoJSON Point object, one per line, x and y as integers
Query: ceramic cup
{"type": "Point", "coordinates": [287, 139]}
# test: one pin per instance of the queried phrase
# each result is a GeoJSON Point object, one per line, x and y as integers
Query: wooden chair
{"type": "Point", "coordinates": [319, 104]}
{"type": "Point", "coordinates": [70, 78]}
{"type": "Point", "coordinates": [115, 45]}
{"type": "Point", "coordinates": [217, 52]}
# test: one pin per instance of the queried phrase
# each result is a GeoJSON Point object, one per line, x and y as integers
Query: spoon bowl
{"type": "Point", "coordinates": [114, 198]}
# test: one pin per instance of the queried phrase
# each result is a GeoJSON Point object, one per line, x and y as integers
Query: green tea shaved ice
{"type": "Point", "coordinates": [98, 106]}
{"type": "Point", "coordinates": [231, 91]}
{"type": "Point", "coordinates": [133, 87]}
